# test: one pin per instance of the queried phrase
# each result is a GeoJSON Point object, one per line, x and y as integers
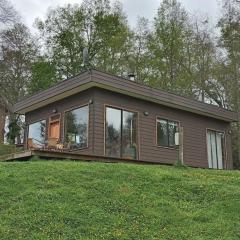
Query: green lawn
{"type": "Point", "coordinates": [80, 200]}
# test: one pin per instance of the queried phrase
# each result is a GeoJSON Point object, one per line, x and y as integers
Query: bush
{"type": "Point", "coordinates": [7, 149]}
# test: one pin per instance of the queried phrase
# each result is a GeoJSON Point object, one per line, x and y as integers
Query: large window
{"type": "Point", "coordinates": [121, 133]}
{"type": "Point", "coordinates": [166, 130]}
{"type": "Point", "coordinates": [215, 147]}
{"type": "Point", "coordinates": [76, 128]}
{"type": "Point", "coordinates": [36, 134]}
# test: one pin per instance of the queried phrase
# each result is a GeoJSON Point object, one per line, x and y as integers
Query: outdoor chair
{"type": "Point", "coordinates": [52, 143]}
{"type": "Point", "coordinates": [33, 144]}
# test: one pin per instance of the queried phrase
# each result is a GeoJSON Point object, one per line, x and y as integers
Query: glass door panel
{"type": "Point", "coordinates": [121, 134]}
{"type": "Point", "coordinates": [129, 135]}
{"type": "Point", "coordinates": [219, 150]}
{"type": "Point", "coordinates": [209, 150]}
{"type": "Point", "coordinates": [113, 132]}
{"type": "Point", "coordinates": [215, 149]}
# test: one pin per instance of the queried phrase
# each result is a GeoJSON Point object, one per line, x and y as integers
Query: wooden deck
{"type": "Point", "coordinates": [53, 154]}
{"type": "Point", "coordinates": [62, 155]}
{"type": "Point", "coordinates": [16, 156]}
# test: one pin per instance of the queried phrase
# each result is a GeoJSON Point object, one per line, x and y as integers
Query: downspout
{"type": "Point", "coordinates": [93, 115]}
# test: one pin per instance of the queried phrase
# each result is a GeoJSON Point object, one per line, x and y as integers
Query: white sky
{"type": "Point", "coordinates": [31, 9]}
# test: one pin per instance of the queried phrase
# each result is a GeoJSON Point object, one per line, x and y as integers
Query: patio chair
{"type": "Point", "coordinates": [33, 144]}
{"type": "Point", "coordinates": [52, 143]}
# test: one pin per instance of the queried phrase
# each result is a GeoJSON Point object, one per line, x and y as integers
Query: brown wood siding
{"type": "Point", "coordinates": [62, 106]}
{"type": "Point", "coordinates": [194, 128]}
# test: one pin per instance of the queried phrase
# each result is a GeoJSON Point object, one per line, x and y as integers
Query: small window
{"type": "Point", "coordinates": [166, 130]}
{"type": "Point", "coordinates": [76, 128]}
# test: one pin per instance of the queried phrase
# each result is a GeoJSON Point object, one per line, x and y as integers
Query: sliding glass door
{"type": "Point", "coordinates": [215, 148]}
{"type": "Point", "coordinates": [113, 132]}
{"type": "Point", "coordinates": [121, 133]}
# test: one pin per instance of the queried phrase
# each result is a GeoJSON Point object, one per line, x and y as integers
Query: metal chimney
{"type": "Point", "coordinates": [131, 76]}
{"type": "Point", "coordinates": [85, 57]}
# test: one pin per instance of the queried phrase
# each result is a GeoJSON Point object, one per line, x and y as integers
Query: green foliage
{"type": "Point", "coordinates": [94, 24]}
{"type": "Point", "coordinates": [74, 200]}
{"type": "Point", "coordinates": [7, 149]}
{"type": "Point", "coordinates": [43, 76]}
{"type": "Point", "coordinates": [229, 25]}
{"type": "Point", "coordinates": [18, 53]}
{"type": "Point", "coordinates": [168, 46]}
{"type": "Point", "coordinates": [14, 129]}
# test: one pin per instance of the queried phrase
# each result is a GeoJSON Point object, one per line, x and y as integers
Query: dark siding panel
{"type": "Point", "coordinates": [195, 148]}
{"type": "Point", "coordinates": [62, 106]}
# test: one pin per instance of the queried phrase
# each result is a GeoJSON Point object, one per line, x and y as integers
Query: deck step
{"type": "Point", "coordinates": [15, 156]}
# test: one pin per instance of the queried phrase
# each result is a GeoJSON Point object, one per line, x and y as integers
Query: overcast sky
{"type": "Point", "coordinates": [31, 9]}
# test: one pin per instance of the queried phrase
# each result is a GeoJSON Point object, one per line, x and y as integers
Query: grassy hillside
{"type": "Point", "coordinates": [77, 200]}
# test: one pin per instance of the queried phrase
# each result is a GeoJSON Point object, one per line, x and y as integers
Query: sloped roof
{"type": "Point", "coordinates": [96, 78]}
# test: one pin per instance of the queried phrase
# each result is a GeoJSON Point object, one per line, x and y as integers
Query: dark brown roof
{"type": "Point", "coordinates": [95, 78]}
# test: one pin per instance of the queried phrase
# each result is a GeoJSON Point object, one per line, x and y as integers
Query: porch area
{"type": "Point", "coordinates": [58, 155]}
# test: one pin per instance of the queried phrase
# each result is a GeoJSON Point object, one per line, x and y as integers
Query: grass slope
{"type": "Point", "coordinates": [79, 200]}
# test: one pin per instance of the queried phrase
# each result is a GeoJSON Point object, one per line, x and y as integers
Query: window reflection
{"type": "Point", "coordinates": [129, 135]}
{"type": "Point", "coordinates": [121, 133]}
{"type": "Point", "coordinates": [162, 132]}
{"type": "Point", "coordinates": [76, 128]}
{"type": "Point", "coordinates": [166, 131]}
{"type": "Point", "coordinates": [36, 132]}
{"type": "Point", "coordinates": [172, 129]}
{"type": "Point", "coordinates": [113, 132]}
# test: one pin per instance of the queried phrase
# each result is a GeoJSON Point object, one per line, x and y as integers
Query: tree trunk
{"type": "Point", "coordinates": [2, 125]}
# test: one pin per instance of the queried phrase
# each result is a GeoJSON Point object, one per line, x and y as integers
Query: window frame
{"type": "Point", "coordinates": [225, 155]}
{"type": "Point", "coordinates": [137, 137]}
{"type": "Point", "coordinates": [64, 125]}
{"type": "Point", "coordinates": [158, 118]}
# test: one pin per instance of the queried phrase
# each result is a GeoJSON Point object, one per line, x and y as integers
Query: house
{"type": "Point", "coordinates": [99, 115]}
{"type": "Point", "coordinates": [5, 109]}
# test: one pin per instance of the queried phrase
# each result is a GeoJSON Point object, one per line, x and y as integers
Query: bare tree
{"type": "Point", "coordinates": [8, 14]}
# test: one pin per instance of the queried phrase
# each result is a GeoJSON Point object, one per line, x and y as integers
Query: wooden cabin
{"type": "Point", "coordinates": [99, 115]}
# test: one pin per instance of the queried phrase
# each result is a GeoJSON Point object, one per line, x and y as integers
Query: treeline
{"type": "Point", "coordinates": [175, 52]}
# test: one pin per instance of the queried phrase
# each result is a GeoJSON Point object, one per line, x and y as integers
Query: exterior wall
{"type": "Point", "coordinates": [194, 130]}
{"type": "Point", "coordinates": [2, 123]}
{"type": "Point", "coordinates": [66, 104]}
{"type": "Point", "coordinates": [194, 127]}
